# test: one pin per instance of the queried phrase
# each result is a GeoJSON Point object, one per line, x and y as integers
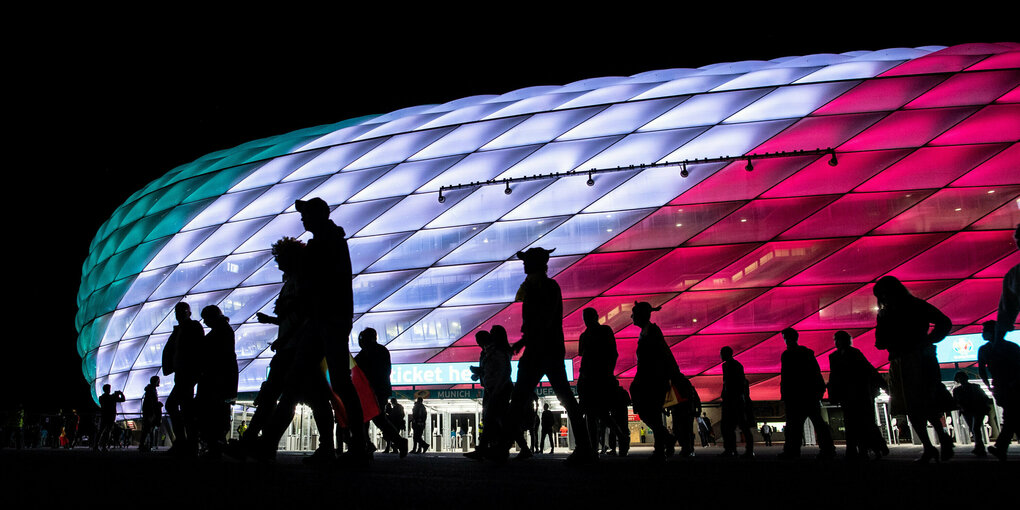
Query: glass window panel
{"type": "Point", "coordinates": [370, 289]}
{"type": "Point", "coordinates": [585, 232]}
{"type": "Point", "coordinates": [680, 269]}
{"type": "Point", "coordinates": [854, 214]}
{"type": "Point", "coordinates": [614, 311]}
{"type": "Point", "coordinates": [595, 273]}
{"type": "Point", "coordinates": [443, 326]}
{"type": "Point", "coordinates": [277, 199]}
{"type": "Point", "coordinates": [653, 187]}
{"type": "Point", "coordinates": [151, 314]}
{"type": "Point", "coordinates": [929, 167]}
{"type": "Point", "coordinates": [687, 85]}
{"type": "Point", "coordinates": [433, 287]}
{"type": "Point", "coordinates": [413, 355]}
{"type": "Point", "coordinates": [705, 110]}
{"type": "Point", "coordinates": [848, 71]}
{"type": "Point", "coordinates": [766, 357]}
{"type": "Point", "coordinates": [407, 119]}
{"type": "Point", "coordinates": [179, 247]}
{"type": "Point", "coordinates": [819, 178]}
{"type": "Point", "coordinates": [771, 264]}
{"type": "Point", "coordinates": [970, 300]}
{"type": "Point", "coordinates": [275, 170]}
{"type": "Point", "coordinates": [465, 114]}
{"type": "Point", "coordinates": [253, 375]}
{"type": "Point", "coordinates": [398, 148]}
{"type": "Point", "coordinates": [184, 277]}
{"type": "Point", "coordinates": [999, 269]}
{"type": "Point", "coordinates": [404, 178]}
{"type": "Point", "coordinates": [606, 95]}
{"type": "Point", "coordinates": [509, 317]}
{"type": "Point", "coordinates": [619, 119]}
{"type": "Point", "coordinates": [268, 273]}
{"type": "Point", "coordinates": [388, 325]}
{"type": "Point", "coordinates": [767, 77]}
{"type": "Point", "coordinates": [935, 63]}
{"type": "Point", "coordinates": [354, 216]}
{"type": "Point", "coordinates": [1012, 96]}
{"type": "Point", "coordinates": [458, 355]}
{"type": "Point", "coordinates": [501, 240]}
{"type": "Point", "coordinates": [641, 148]}
{"type": "Point", "coordinates": [534, 104]}
{"type": "Point", "coordinates": [152, 354]}
{"type": "Point", "coordinates": [127, 352]}
{"type": "Point", "coordinates": [558, 157]}
{"type": "Point", "coordinates": [820, 132]}
{"type": "Point", "coordinates": [366, 250]}
{"type": "Point", "coordinates": [734, 182]}
{"type": "Point", "coordinates": [1006, 60]}
{"type": "Point", "coordinates": [910, 128]}
{"type": "Point", "coordinates": [288, 224]}
{"type": "Point", "coordinates": [134, 389]}
{"type": "Point", "coordinates": [968, 89]}
{"type": "Point", "coordinates": [670, 226]}
{"type": "Point", "coordinates": [949, 209]}
{"type": "Point", "coordinates": [479, 167]}
{"type": "Point", "coordinates": [242, 303]}
{"type": "Point", "coordinates": [413, 212]}
{"type": "Point", "coordinates": [1000, 169]}
{"type": "Point", "coordinates": [959, 256]}
{"type": "Point", "coordinates": [860, 308]}
{"type": "Point", "coordinates": [227, 238]}
{"type": "Point", "coordinates": [1005, 217]}
{"type": "Point", "coordinates": [143, 285]}
{"type": "Point", "coordinates": [119, 322]}
{"type": "Point", "coordinates": [779, 308]}
{"type": "Point", "coordinates": [569, 195]}
{"type": "Point", "coordinates": [424, 247]}
{"type": "Point", "coordinates": [180, 215]}
{"type": "Point", "coordinates": [467, 138]}
{"type": "Point", "coordinates": [995, 123]}
{"type": "Point", "coordinates": [196, 301]}
{"type": "Point", "coordinates": [340, 187]}
{"type": "Point", "coordinates": [731, 139]}
{"type": "Point", "coordinates": [223, 208]}
{"type": "Point", "coordinates": [883, 94]}
{"type": "Point", "coordinates": [233, 270]}
{"type": "Point", "coordinates": [691, 311]}
{"type": "Point", "coordinates": [866, 259]}
{"type": "Point", "coordinates": [500, 285]}
{"type": "Point", "coordinates": [790, 102]}
{"type": "Point", "coordinates": [251, 340]}
{"type": "Point", "coordinates": [761, 220]}
{"type": "Point", "coordinates": [699, 353]}
{"type": "Point", "coordinates": [488, 204]}
{"type": "Point", "coordinates": [332, 160]}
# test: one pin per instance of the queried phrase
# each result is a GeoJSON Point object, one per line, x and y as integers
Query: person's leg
{"type": "Point", "coordinates": [822, 431]}
{"type": "Point", "coordinates": [729, 427]}
{"type": "Point", "coordinates": [528, 376]}
{"type": "Point", "coordinates": [558, 379]}
{"type": "Point", "coordinates": [975, 423]}
{"type": "Point", "coordinates": [794, 430]}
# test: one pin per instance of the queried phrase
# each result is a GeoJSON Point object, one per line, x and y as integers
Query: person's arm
{"type": "Point", "coordinates": [943, 325]}
{"type": "Point", "coordinates": [1009, 303]}
{"type": "Point", "coordinates": [267, 319]}
{"type": "Point", "coordinates": [982, 365]}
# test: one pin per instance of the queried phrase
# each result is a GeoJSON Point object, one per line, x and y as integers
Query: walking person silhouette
{"type": "Point", "coordinates": [853, 384]}
{"type": "Point", "coordinates": [182, 357]}
{"type": "Point", "coordinates": [801, 387]}
{"type": "Point", "coordinates": [736, 402]}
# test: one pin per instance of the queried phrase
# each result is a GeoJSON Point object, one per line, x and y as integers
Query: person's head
{"type": "Point", "coordinates": [961, 377]}
{"type": "Point", "coordinates": [314, 213]}
{"type": "Point", "coordinates": [545, 407]}
{"type": "Point", "coordinates": [393, 401]}
{"type": "Point", "coordinates": [641, 314]}
{"type": "Point", "coordinates": [536, 260]}
{"type": "Point", "coordinates": [726, 353]}
{"type": "Point", "coordinates": [790, 336]}
{"type": "Point", "coordinates": [288, 252]}
{"type": "Point", "coordinates": [367, 337]}
{"type": "Point", "coordinates": [841, 339]}
{"type": "Point", "coordinates": [182, 311]}
{"type": "Point", "coordinates": [212, 316]}
{"type": "Point", "coordinates": [988, 330]}
{"type": "Point", "coordinates": [591, 317]}
{"type": "Point", "coordinates": [483, 338]}
{"type": "Point", "coordinates": [106, 389]}
{"type": "Point", "coordinates": [889, 291]}
{"type": "Point", "coordinates": [498, 337]}
{"type": "Point", "coordinates": [419, 400]}
{"type": "Point", "coordinates": [154, 380]}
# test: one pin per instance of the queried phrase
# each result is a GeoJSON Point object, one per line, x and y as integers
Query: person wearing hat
{"type": "Point", "coordinates": [656, 370]}
{"type": "Point", "coordinates": [544, 352]}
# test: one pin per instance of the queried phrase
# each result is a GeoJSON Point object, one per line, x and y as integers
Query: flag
{"type": "Point", "coordinates": [369, 405]}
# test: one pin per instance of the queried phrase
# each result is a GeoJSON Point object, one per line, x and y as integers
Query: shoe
{"type": "Point", "coordinates": [746, 455]}
{"type": "Point", "coordinates": [670, 445]}
{"type": "Point", "coordinates": [477, 454]}
{"type": "Point", "coordinates": [884, 450]}
{"type": "Point", "coordinates": [578, 457]}
{"type": "Point", "coordinates": [930, 453]}
{"type": "Point", "coordinates": [424, 449]}
{"type": "Point", "coordinates": [998, 453]}
{"type": "Point", "coordinates": [947, 452]}
{"type": "Point", "coordinates": [728, 453]}
{"type": "Point", "coordinates": [687, 453]}
{"type": "Point", "coordinates": [525, 454]}
{"type": "Point", "coordinates": [402, 448]}
{"type": "Point", "coordinates": [321, 457]}
{"type": "Point", "coordinates": [980, 452]}
{"type": "Point", "coordinates": [624, 446]}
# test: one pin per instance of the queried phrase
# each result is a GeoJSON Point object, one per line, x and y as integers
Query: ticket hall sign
{"type": "Point", "coordinates": [424, 374]}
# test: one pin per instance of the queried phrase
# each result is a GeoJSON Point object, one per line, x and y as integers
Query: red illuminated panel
{"type": "Point", "coordinates": [930, 167]}
{"type": "Point", "coordinates": [958, 257]}
{"type": "Point", "coordinates": [692, 311]}
{"type": "Point", "coordinates": [866, 259]}
{"type": "Point", "coordinates": [779, 308]}
{"type": "Point", "coordinates": [670, 226]}
{"type": "Point", "coordinates": [818, 132]}
{"type": "Point", "coordinates": [627, 350]}
{"type": "Point", "coordinates": [860, 308]}
{"type": "Point", "coordinates": [880, 95]}
{"type": "Point", "coordinates": [1000, 169]}
{"type": "Point", "coordinates": [771, 264]}
{"type": "Point", "coordinates": [910, 128]}
{"type": "Point", "coordinates": [821, 179]}
{"type": "Point", "coordinates": [949, 209]}
{"type": "Point", "coordinates": [760, 220]}
{"type": "Point", "coordinates": [934, 63]}
{"type": "Point", "coordinates": [613, 311]}
{"type": "Point", "coordinates": [999, 269]}
{"type": "Point", "coordinates": [1000, 61]}
{"type": "Point", "coordinates": [969, 300]}
{"type": "Point", "coordinates": [735, 183]}
{"type": "Point", "coordinates": [969, 89]}
{"type": "Point", "coordinates": [597, 272]}
{"type": "Point", "coordinates": [681, 268]}
{"type": "Point", "coordinates": [995, 123]}
{"type": "Point", "coordinates": [854, 214]}
{"type": "Point", "coordinates": [699, 353]}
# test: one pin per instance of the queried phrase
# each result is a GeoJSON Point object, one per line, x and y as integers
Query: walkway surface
{"type": "Point", "coordinates": [447, 480]}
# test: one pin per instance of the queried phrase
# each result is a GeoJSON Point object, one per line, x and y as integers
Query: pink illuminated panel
{"type": "Point", "coordinates": [1000, 61]}
{"type": "Point", "coordinates": [691, 311]}
{"type": "Point", "coordinates": [860, 308]}
{"type": "Point", "coordinates": [597, 272]}
{"type": "Point", "coordinates": [880, 95]}
{"type": "Point", "coordinates": [670, 226]}
{"type": "Point", "coordinates": [1005, 217]}
{"type": "Point", "coordinates": [820, 179]}
{"type": "Point", "coordinates": [969, 300]}
{"type": "Point", "coordinates": [709, 387]}
{"type": "Point", "coordinates": [995, 123]}
{"type": "Point", "coordinates": [613, 311]}
{"type": "Point", "coordinates": [930, 167]}
{"type": "Point", "coordinates": [1012, 96]}
{"type": "Point", "coordinates": [911, 128]}
{"type": "Point", "coordinates": [771, 264]}
{"type": "Point", "coordinates": [866, 259]}
{"type": "Point", "coordinates": [735, 183]}
{"type": "Point", "coordinates": [698, 353]}
{"type": "Point", "coordinates": [779, 308]}
{"type": "Point", "coordinates": [949, 209]}
{"type": "Point", "coordinates": [819, 133]}
{"type": "Point", "coordinates": [968, 89]}
{"type": "Point", "coordinates": [934, 63]}
{"type": "Point", "coordinates": [999, 269]}
{"type": "Point", "coordinates": [761, 220]}
{"type": "Point", "coordinates": [766, 390]}
{"type": "Point", "coordinates": [765, 357]}
{"type": "Point", "coordinates": [457, 354]}
{"type": "Point", "coordinates": [959, 256]}
{"type": "Point", "coordinates": [681, 268]}
{"type": "Point", "coordinates": [854, 214]}
{"type": "Point", "coordinates": [999, 169]}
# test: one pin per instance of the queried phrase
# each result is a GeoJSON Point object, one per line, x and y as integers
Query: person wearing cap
{"type": "Point", "coordinates": [544, 352]}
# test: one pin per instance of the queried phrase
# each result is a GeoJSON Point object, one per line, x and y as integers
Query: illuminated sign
{"type": "Point", "coordinates": [961, 348]}
{"type": "Point", "coordinates": [423, 374]}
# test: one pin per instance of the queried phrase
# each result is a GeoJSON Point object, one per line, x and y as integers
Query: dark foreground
{"type": "Point", "coordinates": [127, 477]}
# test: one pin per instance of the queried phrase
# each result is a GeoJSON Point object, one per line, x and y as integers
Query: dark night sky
{"type": "Point", "coordinates": [99, 110]}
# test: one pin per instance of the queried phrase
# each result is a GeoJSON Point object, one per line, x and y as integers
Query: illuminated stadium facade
{"type": "Point", "coordinates": [926, 189]}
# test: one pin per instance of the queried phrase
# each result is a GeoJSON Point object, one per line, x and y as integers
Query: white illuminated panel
{"type": "Point", "coordinates": [705, 110]}
{"type": "Point", "coordinates": [488, 204]}
{"type": "Point", "coordinates": [791, 102]}
{"type": "Point", "coordinates": [728, 140]}
{"type": "Point", "coordinates": [558, 157]}
{"type": "Point", "coordinates": [541, 128]}
{"type": "Point", "coordinates": [425, 247]}
{"type": "Point", "coordinates": [501, 240]}
{"type": "Point", "coordinates": [620, 119]}
{"type": "Point", "coordinates": [467, 138]}
{"type": "Point", "coordinates": [849, 71]}
{"type": "Point", "coordinates": [433, 287]}
{"type": "Point", "coordinates": [568, 195]}
{"type": "Point", "coordinates": [404, 178]}
{"type": "Point", "coordinates": [767, 78]}
{"type": "Point", "coordinates": [398, 148]}
{"type": "Point", "coordinates": [274, 170]}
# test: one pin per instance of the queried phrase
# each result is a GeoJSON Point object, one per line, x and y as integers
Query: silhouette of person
{"type": "Point", "coordinates": [766, 433]}
{"type": "Point", "coordinates": [182, 357]}
{"type": "Point", "coordinates": [107, 416]}
{"type": "Point", "coordinates": [331, 311]}
{"type": "Point", "coordinates": [544, 352]}
{"type": "Point", "coordinates": [596, 381]}
{"type": "Point", "coordinates": [152, 413]}
{"type": "Point", "coordinates": [915, 380]}
{"type": "Point", "coordinates": [853, 384]}
{"type": "Point", "coordinates": [418, 417]}
{"type": "Point", "coordinates": [532, 424]}
{"type": "Point", "coordinates": [735, 403]}
{"type": "Point", "coordinates": [395, 414]}
{"type": "Point", "coordinates": [217, 384]}
{"type": "Point", "coordinates": [494, 374]}
{"type": "Point", "coordinates": [374, 360]}
{"type": "Point", "coordinates": [1009, 301]}
{"type": "Point", "coordinates": [801, 388]}
{"type": "Point", "coordinates": [656, 370]}
{"type": "Point", "coordinates": [974, 406]}
{"type": "Point", "coordinates": [1000, 359]}
{"type": "Point", "coordinates": [684, 413]}
{"type": "Point", "coordinates": [549, 424]}
{"type": "Point", "coordinates": [620, 434]}
{"type": "Point", "coordinates": [705, 430]}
